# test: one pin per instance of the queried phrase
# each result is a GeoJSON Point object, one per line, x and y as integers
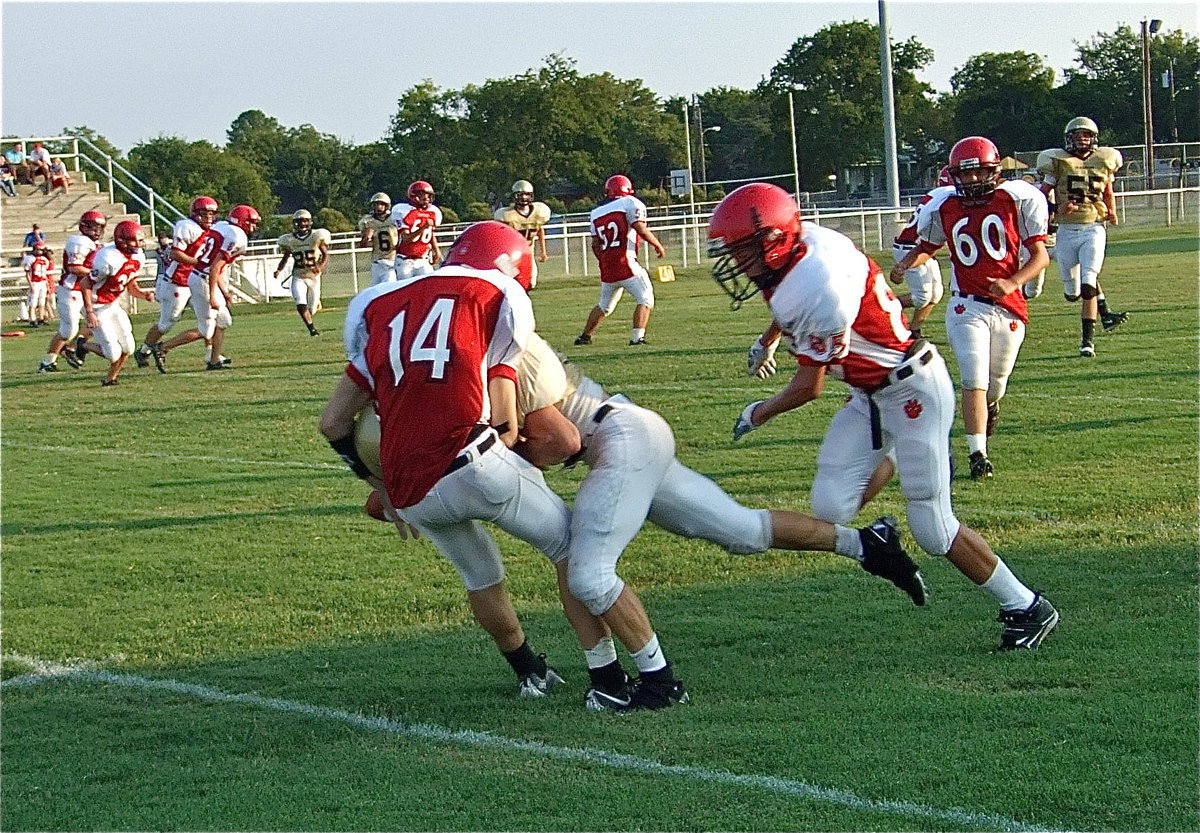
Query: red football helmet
{"type": "Point", "coordinates": [92, 224]}
{"type": "Point", "coordinates": [618, 185]}
{"type": "Point", "coordinates": [127, 237]}
{"type": "Point", "coordinates": [493, 245]}
{"type": "Point", "coordinates": [944, 176]}
{"type": "Point", "coordinates": [245, 217]}
{"type": "Point", "coordinates": [755, 235]}
{"type": "Point", "coordinates": [975, 153]}
{"type": "Point", "coordinates": [420, 194]}
{"type": "Point", "coordinates": [204, 211]}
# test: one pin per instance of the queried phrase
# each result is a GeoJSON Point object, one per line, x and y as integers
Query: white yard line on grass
{"type": "Point", "coordinates": [47, 672]}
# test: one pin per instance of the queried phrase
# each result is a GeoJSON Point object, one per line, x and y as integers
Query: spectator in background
{"type": "Point", "coordinates": [16, 157]}
{"type": "Point", "coordinates": [35, 238]}
{"type": "Point", "coordinates": [59, 178]}
{"type": "Point", "coordinates": [8, 178]}
{"type": "Point", "coordinates": [39, 165]}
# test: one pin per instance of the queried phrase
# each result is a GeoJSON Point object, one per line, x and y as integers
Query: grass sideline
{"type": "Point", "coordinates": [194, 527]}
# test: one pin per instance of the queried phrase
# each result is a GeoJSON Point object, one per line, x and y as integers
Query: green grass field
{"type": "Point", "coordinates": [203, 631]}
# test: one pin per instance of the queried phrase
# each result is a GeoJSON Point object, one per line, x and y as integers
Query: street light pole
{"type": "Point", "coordinates": [1148, 28]}
{"type": "Point", "coordinates": [703, 168]}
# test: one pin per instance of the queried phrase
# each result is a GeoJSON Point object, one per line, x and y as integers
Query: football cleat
{"type": "Point", "coordinates": [1111, 320]}
{"type": "Point", "coordinates": [1027, 628]}
{"type": "Point", "coordinates": [215, 366]}
{"type": "Point", "coordinates": [653, 693]}
{"type": "Point", "coordinates": [1087, 351]}
{"type": "Point", "coordinates": [599, 700]}
{"type": "Point", "coordinates": [69, 354]}
{"type": "Point", "coordinates": [884, 557]}
{"type": "Point", "coordinates": [534, 685]}
{"type": "Point", "coordinates": [47, 367]}
{"type": "Point", "coordinates": [583, 338]}
{"type": "Point", "coordinates": [104, 383]}
{"type": "Point", "coordinates": [142, 357]}
{"type": "Point", "coordinates": [225, 360]}
{"type": "Point", "coordinates": [633, 342]}
{"type": "Point", "coordinates": [981, 466]}
{"type": "Point", "coordinates": [993, 418]}
{"type": "Point", "coordinates": [80, 350]}
{"type": "Point", "coordinates": [160, 357]}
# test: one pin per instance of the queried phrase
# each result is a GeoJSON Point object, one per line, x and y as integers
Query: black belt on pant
{"type": "Point", "coordinates": [898, 375]}
{"type": "Point", "coordinates": [464, 458]}
{"type": "Point", "coordinates": [597, 418]}
{"type": "Point", "coordinates": [983, 299]}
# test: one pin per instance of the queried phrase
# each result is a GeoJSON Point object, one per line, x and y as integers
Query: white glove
{"type": "Point", "coordinates": [744, 426]}
{"type": "Point", "coordinates": [760, 361]}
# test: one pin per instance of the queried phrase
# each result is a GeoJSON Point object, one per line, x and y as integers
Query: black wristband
{"type": "Point", "coordinates": [346, 449]}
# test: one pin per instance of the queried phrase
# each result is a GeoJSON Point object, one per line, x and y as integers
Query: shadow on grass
{"type": "Point", "coordinates": [142, 524]}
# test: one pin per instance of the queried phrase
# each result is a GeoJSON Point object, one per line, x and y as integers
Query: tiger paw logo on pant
{"type": "Point", "coordinates": [913, 409]}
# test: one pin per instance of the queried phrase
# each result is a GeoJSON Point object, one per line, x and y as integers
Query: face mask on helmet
{"type": "Point", "coordinates": [302, 222]}
{"type": "Point", "coordinates": [246, 218]}
{"type": "Point", "coordinates": [127, 237]}
{"type": "Point", "coordinates": [420, 194]}
{"type": "Point", "coordinates": [381, 205]}
{"type": "Point", "coordinates": [92, 224]}
{"type": "Point", "coordinates": [522, 192]}
{"type": "Point", "coordinates": [754, 237]}
{"type": "Point", "coordinates": [1081, 142]}
{"type": "Point", "coordinates": [975, 167]}
{"type": "Point", "coordinates": [204, 211]}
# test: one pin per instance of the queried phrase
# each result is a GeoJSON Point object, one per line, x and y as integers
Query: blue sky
{"type": "Point", "coordinates": [188, 69]}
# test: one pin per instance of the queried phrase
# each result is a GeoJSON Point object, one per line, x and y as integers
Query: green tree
{"type": "Point", "coordinates": [835, 79]}
{"type": "Point", "coordinates": [1006, 96]}
{"type": "Point", "coordinates": [1107, 85]}
{"type": "Point", "coordinates": [256, 137]}
{"type": "Point", "coordinates": [179, 171]}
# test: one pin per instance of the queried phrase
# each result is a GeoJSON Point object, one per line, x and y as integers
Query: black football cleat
{"type": "Point", "coordinates": [1027, 628]}
{"type": "Point", "coordinates": [884, 557]}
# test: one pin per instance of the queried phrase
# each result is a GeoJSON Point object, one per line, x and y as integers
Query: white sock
{"type": "Point", "coordinates": [849, 542]}
{"type": "Point", "coordinates": [50, 358]}
{"type": "Point", "coordinates": [1007, 589]}
{"type": "Point", "coordinates": [603, 654]}
{"type": "Point", "coordinates": [637, 333]}
{"type": "Point", "coordinates": [977, 442]}
{"type": "Point", "coordinates": [650, 658]}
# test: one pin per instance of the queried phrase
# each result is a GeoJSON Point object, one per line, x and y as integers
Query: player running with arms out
{"type": "Point", "coordinates": [617, 224]}
{"type": "Point", "coordinates": [985, 223]}
{"type": "Point", "coordinates": [417, 250]}
{"type": "Point", "coordinates": [379, 233]}
{"type": "Point", "coordinates": [841, 319]}
{"type": "Point", "coordinates": [308, 249]}
{"type": "Point", "coordinates": [437, 357]}
{"type": "Point", "coordinates": [529, 217]}
{"type": "Point", "coordinates": [189, 237]}
{"type": "Point", "coordinates": [115, 270]}
{"type": "Point", "coordinates": [78, 253]}
{"type": "Point", "coordinates": [1080, 176]}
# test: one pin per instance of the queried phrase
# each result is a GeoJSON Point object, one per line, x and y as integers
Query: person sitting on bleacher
{"type": "Point", "coordinates": [39, 165]}
{"type": "Point", "coordinates": [59, 178]}
{"type": "Point", "coordinates": [8, 178]}
{"type": "Point", "coordinates": [16, 157]}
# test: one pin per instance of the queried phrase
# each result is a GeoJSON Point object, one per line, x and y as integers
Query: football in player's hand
{"type": "Point", "coordinates": [375, 507]}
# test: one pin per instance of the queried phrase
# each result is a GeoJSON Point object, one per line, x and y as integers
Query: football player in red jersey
{"type": "Point", "coordinates": [986, 223]}
{"type": "Point", "coordinates": [189, 237]}
{"type": "Point", "coordinates": [437, 359]}
{"type": "Point", "coordinates": [842, 320]}
{"type": "Point", "coordinates": [416, 221]}
{"type": "Point", "coordinates": [78, 253]}
{"type": "Point", "coordinates": [617, 224]}
{"type": "Point", "coordinates": [114, 271]}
